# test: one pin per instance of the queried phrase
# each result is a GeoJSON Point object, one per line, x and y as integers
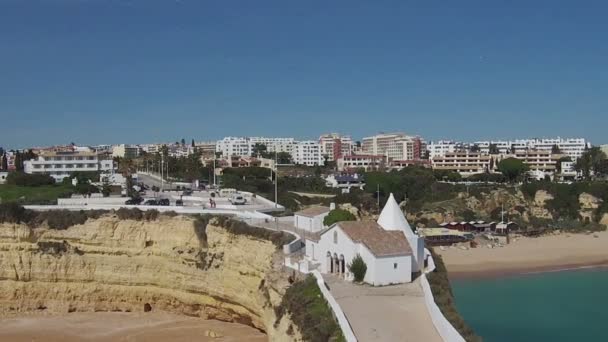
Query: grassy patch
{"type": "Point", "coordinates": [44, 194]}
{"type": "Point", "coordinates": [309, 311]}
{"type": "Point", "coordinates": [442, 292]}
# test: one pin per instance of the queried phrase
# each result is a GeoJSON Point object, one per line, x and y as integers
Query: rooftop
{"type": "Point", "coordinates": [313, 211]}
{"type": "Point", "coordinates": [379, 241]}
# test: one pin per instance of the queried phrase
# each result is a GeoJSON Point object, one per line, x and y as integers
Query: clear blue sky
{"type": "Point", "coordinates": [102, 71]}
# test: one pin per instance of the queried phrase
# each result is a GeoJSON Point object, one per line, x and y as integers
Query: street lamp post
{"type": "Point", "coordinates": [276, 179]}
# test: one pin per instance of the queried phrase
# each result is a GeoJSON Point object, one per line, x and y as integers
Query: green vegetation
{"type": "Point", "coordinates": [592, 161]}
{"type": "Point", "coordinates": [44, 194]}
{"type": "Point", "coordinates": [513, 169]}
{"type": "Point", "coordinates": [309, 311]}
{"type": "Point", "coordinates": [416, 183]}
{"type": "Point", "coordinates": [358, 267]}
{"type": "Point", "coordinates": [442, 292]}
{"type": "Point", "coordinates": [338, 215]}
{"type": "Point", "coordinates": [565, 203]}
{"type": "Point", "coordinates": [25, 179]}
{"type": "Point", "coordinates": [63, 219]}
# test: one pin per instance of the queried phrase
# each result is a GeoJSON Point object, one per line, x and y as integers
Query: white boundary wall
{"type": "Point", "coordinates": [347, 331]}
{"type": "Point", "coordinates": [443, 326]}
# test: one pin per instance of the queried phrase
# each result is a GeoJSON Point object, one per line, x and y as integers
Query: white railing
{"type": "Point", "coordinates": [445, 329]}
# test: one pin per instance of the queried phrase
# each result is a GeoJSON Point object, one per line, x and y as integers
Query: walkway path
{"type": "Point", "coordinates": [388, 313]}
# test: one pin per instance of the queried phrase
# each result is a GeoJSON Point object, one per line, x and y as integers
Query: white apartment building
{"type": "Point", "coordinates": [572, 147]}
{"type": "Point", "coordinates": [150, 148]}
{"type": "Point", "coordinates": [441, 147]}
{"type": "Point", "coordinates": [61, 164]}
{"type": "Point", "coordinates": [125, 151]}
{"type": "Point", "coordinates": [274, 144]}
{"type": "Point", "coordinates": [307, 153]}
{"type": "Point", "coordinates": [334, 145]}
{"type": "Point", "coordinates": [397, 146]}
{"type": "Point", "coordinates": [243, 146]}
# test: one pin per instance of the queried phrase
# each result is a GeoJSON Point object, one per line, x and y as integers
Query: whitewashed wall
{"type": "Point", "coordinates": [387, 274]}
{"type": "Point", "coordinates": [445, 329]}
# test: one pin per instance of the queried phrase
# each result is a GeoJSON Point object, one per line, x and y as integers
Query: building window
{"type": "Point", "coordinates": [395, 266]}
{"type": "Point", "coordinates": [335, 237]}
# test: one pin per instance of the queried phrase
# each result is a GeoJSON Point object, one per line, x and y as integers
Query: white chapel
{"type": "Point", "coordinates": [389, 247]}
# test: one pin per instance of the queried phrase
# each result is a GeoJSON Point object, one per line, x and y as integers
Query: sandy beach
{"type": "Point", "coordinates": [118, 326]}
{"type": "Point", "coordinates": [524, 255]}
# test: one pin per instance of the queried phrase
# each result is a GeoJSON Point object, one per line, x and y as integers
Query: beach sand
{"type": "Point", "coordinates": [540, 254]}
{"type": "Point", "coordinates": [118, 326]}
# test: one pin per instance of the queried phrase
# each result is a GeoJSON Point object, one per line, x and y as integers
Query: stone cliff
{"type": "Point", "coordinates": [168, 264]}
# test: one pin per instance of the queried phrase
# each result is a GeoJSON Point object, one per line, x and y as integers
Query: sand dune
{"type": "Point", "coordinates": [529, 254]}
{"type": "Point", "coordinates": [110, 326]}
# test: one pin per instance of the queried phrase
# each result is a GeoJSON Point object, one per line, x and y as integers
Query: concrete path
{"type": "Point", "coordinates": [389, 313]}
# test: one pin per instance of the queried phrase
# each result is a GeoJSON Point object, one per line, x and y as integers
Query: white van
{"type": "Point", "coordinates": [238, 199]}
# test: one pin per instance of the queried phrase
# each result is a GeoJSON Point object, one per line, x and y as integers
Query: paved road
{"type": "Point", "coordinates": [151, 181]}
{"type": "Point", "coordinates": [387, 313]}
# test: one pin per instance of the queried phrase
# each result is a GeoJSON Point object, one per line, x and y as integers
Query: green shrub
{"type": "Point", "coordinates": [338, 215]}
{"type": "Point", "coordinates": [151, 215]}
{"type": "Point", "coordinates": [25, 179]}
{"type": "Point", "coordinates": [309, 311]}
{"type": "Point", "coordinates": [358, 267]}
{"type": "Point", "coordinates": [13, 213]}
{"type": "Point", "coordinates": [129, 214]}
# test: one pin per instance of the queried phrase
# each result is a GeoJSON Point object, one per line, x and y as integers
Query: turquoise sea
{"type": "Point", "coordinates": [555, 306]}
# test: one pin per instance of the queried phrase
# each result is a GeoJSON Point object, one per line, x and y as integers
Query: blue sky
{"type": "Point", "coordinates": [93, 71]}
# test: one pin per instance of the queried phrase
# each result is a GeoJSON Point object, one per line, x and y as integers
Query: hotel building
{"type": "Point", "coordinates": [60, 164]}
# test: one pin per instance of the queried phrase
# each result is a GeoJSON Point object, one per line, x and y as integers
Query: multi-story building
{"type": "Point", "coordinates": [334, 145]}
{"type": "Point", "coordinates": [367, 162]}
{"type": "Point", "coordinates": [244, 146]}
{"type": "Point", "coordinates": [233, 146]}
{"type": "Point", "coordinates": [206, 148]}
{"type": "Point", "coordinates": [463, 162]}
{"type": "Point", "coordinates": [571, 147]}
{"type": "Point", "coordinates": [277, 145]}
{"type": "Point", "coordinates": [441, 147]}
{"type": "Point", "coordinates": [396, 146]}
{"type": "Point", "coordinates": [537, 160]}
{"type": "Point", "coordinates": [125, 151]}
{"type": "Point", "coordinates": [60, 164]}
{"type": "Point", "coordinates": [151, 148]}
{"type": "Point", "coordinates": [307, 153]}
{"type": "Point", "coordinates": [604, 148]}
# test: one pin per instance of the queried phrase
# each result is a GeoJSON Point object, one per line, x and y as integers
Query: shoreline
{"type": "Point", "coordinates": [524, 271]}
{"type": "Point", "coordinates": [528, 255]}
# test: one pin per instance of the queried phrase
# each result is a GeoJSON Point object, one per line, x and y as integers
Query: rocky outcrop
{"type": "Point", "coordinates": [538, 208]}
{"type": "Point", "coordinates": [588, 204]}
{"type": "Point", "coordinates": [110, 264]}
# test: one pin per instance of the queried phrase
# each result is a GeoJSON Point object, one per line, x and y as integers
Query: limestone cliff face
{"type": "Point", "coordinates": [110, 264]}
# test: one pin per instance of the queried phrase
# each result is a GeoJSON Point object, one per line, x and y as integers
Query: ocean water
{"type": "Point", "coordinates": [555, 306]}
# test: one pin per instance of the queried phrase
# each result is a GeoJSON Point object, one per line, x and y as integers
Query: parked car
{"type": "Point", "coordinates": [164, 201]}
{"type": "Point", "coordinates": [179, 202]}
{"type": "Point", "coordinates": [151, 202]}
{"type": "Point", "coordinates": [134, 201]}
{"type": "Point", "coordinates": [238, 199]}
